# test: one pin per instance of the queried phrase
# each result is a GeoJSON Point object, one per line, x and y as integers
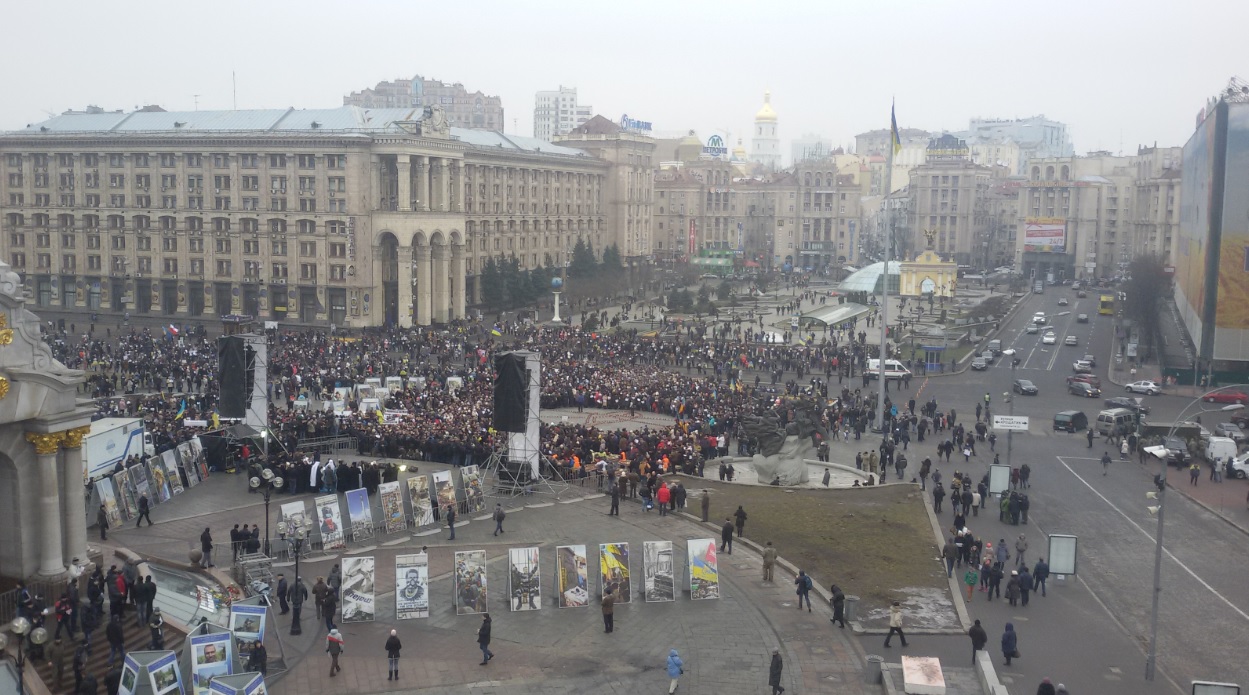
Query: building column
{"type": "Point", "coordinates": [457, 186]}
{"type": "Point", "coordinates": [435, 186]}
{"type": "Point", "coordinates": [457, 281]}
{"type": "Point", "coordinates": [444, 191]}
{"type": "Point", "coordinates": [75, 501]}
{"type": "Point", "coordinates": [422, 183]}
{"type": "Point", "coordinates": [47, 444]}
{"type": "Point", "coordinates": [375, 180]}
{"type": "Point", "coordinates": [405, 286]}
{"type": "Point", "coordinates": [424, 292]}
{"type": "Point", "coordinates": [405, 183]}
{"type": "Point", "coordinates": [442, 274]}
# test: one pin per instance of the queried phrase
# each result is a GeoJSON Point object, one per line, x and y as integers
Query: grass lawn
{"type": "Point", "coordinates": [870, 541]}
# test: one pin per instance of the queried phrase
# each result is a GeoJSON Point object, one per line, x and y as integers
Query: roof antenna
{"type": "Point", "coordinates": [235, 81]}
{"type": "Point", "coordinates": [196, 97]}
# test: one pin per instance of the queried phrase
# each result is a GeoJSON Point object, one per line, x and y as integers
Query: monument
{"type": "Point", "coordinates": [557, 286]}
{"type": "Point", "coordinates": [782, 447]}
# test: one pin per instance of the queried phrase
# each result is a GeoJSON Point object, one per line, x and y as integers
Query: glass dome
{"type": "Point", "coordinates": [868, 278]}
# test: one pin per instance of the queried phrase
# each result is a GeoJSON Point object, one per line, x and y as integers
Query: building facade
{"type": "Point", "coordinates": [1037, 137]}
{"type": "Point", "coordinates": [765, 146]}
{"type": "Point", "coordinates": [557, 113]}
{"type": "Point", "coordinates": [464, 109]}
{"type": "Point", "coordinates": [809, 146]}
{"type": "Point", "coordinates": [946, 197]}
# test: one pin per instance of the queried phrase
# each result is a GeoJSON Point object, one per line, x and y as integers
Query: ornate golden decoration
{"type": "Point", "coordinates": [74, 436]}
{"type": "Point", "coordinates": [6, 336]}
{"type": "Point", "coordinates": [4, 320]}
{"type": "Point", "coordinates": [4, 387]}
{"type": "Point", "coordinates": [45, 443]}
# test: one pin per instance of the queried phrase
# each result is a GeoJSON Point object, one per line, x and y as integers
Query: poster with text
{"type": "Point", "coordinates": [391, 496]}
{"type": "Point", "coordinates": [295, 516]}
{"type": "Point", "coordinates": [330, 522]}
{"type": "Point", "coordinates": [164, 674]}
{"type": "Point", "coordinates": [412, 586]}
{"type": "Point", "coordinates": [170, 461]}
{"type": "Point", "coordinates": [658, 570]}
{"type": "Point", "coordinates": [444, 488]}
{"type": "Point", "coordinates": [160, 482]}
{"type": "Point", "coordinates": [523, 579]}
{"type": "Point", "coordinates": [704, 570]}
{"type": "Point", "coordinates": [470, 582]}
{"type": "Point", "coordinates": [613, 559]}
{"type": "Point", "coordinates": [359, 512]}
{"type": "Point", "coordinates": [471, 476]}
{"type": "Point", "coordinates": [422, 506]}
{"type": "Point", "coordinates": [358, 583]}
{"type": "Point", "coordinates": [247, 624]}
{"type": "Point", "coordinates": [571, 573]}
{"type": "Point", "coordinates": [126, 501]}
{"type": "Point", "coordinates": [129, 676]}
{"type": "Point", "coordinates": [104, 486]}
{"type": "Point", "coordinates": [211, 656]}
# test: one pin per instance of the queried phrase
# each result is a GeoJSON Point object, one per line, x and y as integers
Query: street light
{"type": "Point", "coordinates": [266, 483]}
{"type": "Point", "coordinates": [38, 636]}
{"type": "Point", "coordinates": [298, 534]}
{"type": "Point", "coordinates": [1161, 481]}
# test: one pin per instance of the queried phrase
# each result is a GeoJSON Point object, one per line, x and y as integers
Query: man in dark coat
{"type": "Point", "coordinates": [283, 589]}
{"type": "Point", "coordinates": [740, 516]}
{"type": "Point", "coordinates": [143, 512]}
{"type": "Point", "coordinates": [726, 537]}
{"type": "Point", "coordinates": [101, 520]}
{"type": "Point", "coordinates": [206, 545]}
{"type": "Point", "coordinates": [979, 638]}
{"type": "Point", "coordinates": [774, 673]}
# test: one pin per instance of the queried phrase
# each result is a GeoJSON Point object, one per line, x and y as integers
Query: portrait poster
{"type": "Point", "coordinates": [330, 521]}
{"type": "Point", "coordinates": [210, 657]}
{"type": "Point", "coordinates": [358, 583]}
{"type": "Point", "coordinates": [160, 484]}
{"type": "Point", "coordinates": [359, 512]}
{"type": "Point", "coordinates": [444, 488]}
{"type": "Point", "coordinates": [571, 573]}
{"type": "Point", "coordinates": [256, 686]}
{"type": "Point", "coordinates": [524, 583]}
{"type": "Point", "coordinates": [392, 507]}
{"type": "Point", "coordinates": [470, 582]}
{"type": "Point", "coordinates": [170, 461]}
{"type": "Point", "coordinates": [613, 559]}
{"type": "Point", "coordinates": [129, 676]}
{"type": "Point", "coordinates": [471, 476]}
{"type": "Point", "coordinates": [658, 571]}
{"type": "Point", "coordinates": [704, 570]}
{"type": "Point", "coordinates": [411, 586]}
{"type": "Point", "coordinates": [422, 506]}
{"type": "Point", "coordinates": [295, 516]}
{"type": "Point", "coordinates": [201, 461]}
{"type": "Point", "coordinates": [104, 486]}
{"type": "Point", "coordinates": [247, 624]}
{"type": "Point", "coordinates": [126, 501]}
{"type": "Point", "coordinates": [164, 674]}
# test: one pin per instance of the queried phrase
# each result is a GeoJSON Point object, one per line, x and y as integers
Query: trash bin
{"type": "Point", "coordinates": [852, 608]}
{"type": "Point", "coordinates": [873, 673]}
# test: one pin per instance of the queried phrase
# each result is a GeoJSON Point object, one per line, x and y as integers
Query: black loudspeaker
{"type": "Point", "coordinates": [511, 393]}
{"type": "Point", "coordinates": [232, 377]}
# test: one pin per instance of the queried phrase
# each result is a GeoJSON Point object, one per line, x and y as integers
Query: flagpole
{"type": "Point", "coordinates": [887, 233]}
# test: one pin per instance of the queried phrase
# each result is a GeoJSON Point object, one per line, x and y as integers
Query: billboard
{"type": "Point", "coordinates": [1198, 233]}
{"type": "Point", "coordinates": [1045, 234]}
{"type": "Point", "coordinates": [1231, 315]}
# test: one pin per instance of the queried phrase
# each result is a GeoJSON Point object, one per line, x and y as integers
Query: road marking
{"type": "Point", "coordinates": [1169, 554]}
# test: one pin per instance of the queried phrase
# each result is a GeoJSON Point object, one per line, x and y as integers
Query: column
{"type": "Point", "coordinates": [441, 281]}
{"type": "Point", "coordinates": [422, 183]}
{"type": "Point", "coordinates": [424, 292]}
{"type": "Point", "coordinates": [435, 185]}
{"type": "Point", "coordinates": [457, 185]}
{"type": "Point", "coordinates": [405, 286]}
{"type": "Point", "coordinates": [444, 191]}
{"type": "Point", "coordinates": [405, 182]}
{"type": "Point", "coordinates": [457, 281]}
{"type": "Point", "coordinates": [375, 181]}
{"type": "Point", "coordinates": [51, 562]}
{"type": "Point", "coordinates": [75, 501]}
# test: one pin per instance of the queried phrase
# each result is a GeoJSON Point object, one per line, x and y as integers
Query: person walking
{"type": "Point", "coordinates": [1040, 573]}
{"type": "Point", "coordinates": [1105, 462]}
{"type": "Point", "coordinates": [949, 554]}
{"type": "Point", "coordinates": [319, 590]}
{"type": "Point", "coordinates": [1021, 548]}
{"type": "Point", "coordinates": [283, 589]}
{"type": "Point", "coordinates": [334, 646]}
{"type": "Point", "coordinates": [101, 520]}
{"type": "Point", "coordinates": [56, 659]}
{"type": "Point", "coordinates": [971, 578]}
{"type": "Point", "coordinates": [705, 503]}
{"type": "Point", "coordinates": [206, 545]}
{"type": "Point", "coordinates": [451, 520]}
{"type": "Point", "coordinates": [804, 584]}
{"type": "Point", "coordinates": [1123, 450]}
{"type": "Point", "coordinates": [979, 638]}
{"type": "Point", "coordinates": [676, 667]}
{"type": "Point", "coordinates": [839, 606]}
{"type": "Point", "coordinates": [1194, 472]}
{"type": "Point", "coordinates": [144, 510]}
{"type": "Point", "coordinates": [1025, 585]}
{"type": "Point", "coordinates": [1012, 588]}
{"type": "Point", "coordinates": [1089, 436]}
{"type": "Point", "coordinates": [393, 645]}
{"type": "Point", "coordinates": [895, 624]}
{"type": "Point", "coordinates": [328, 608]}
{"type": "Point", "coordinates": [1010, 643]}
{"type": "Point", "coordinates": [483, 640]}
{"type": "Point", "coordinates": [726, 536]}
{"type": "Point", "coordinates": [774, 673]}
{"type": "Point", "coordinates": [609, 603]}
{"type": "Point", "coordinates": [116, 639]}
{"type": "Point", "coordinates": [297, 594]}
{"type": "Point", "coordinates": [769, 561]}
{"type": "Point", "coordinates": [499, 516]}
{"type": "Point", "coordinates": [740, 517]}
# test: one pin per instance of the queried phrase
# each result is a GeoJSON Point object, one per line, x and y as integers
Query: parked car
{"type": "Point", "coordinates": [1082, 318]}
{"type": "Point", "coordinates": [1231, 430]}
{"type": "Point", "coordinates": [1049, 338]}
{"type": "Point", "coordinates": [1130, 403]}
{"type": "Point", "coordinates": [1082, 367]}
{"type": "Point", "coordinates": [1071, 340]}
{"type": "Point", "coordinates": [979, 364]}
{"type": "Point", "coordinates": [1024, 387]}
{"type": "Point", "coordinates": [1240, 466]}
{"type": "Point", "coordinates": [1032, 328]}
{"type": "Point", "coordinates": [1227, 396]}
{"type": "Point", "coordinates": [1070, 421]}
{"type": "Point", "coordinates": [1150, 387]}
{"type": "Point", "coordinates": [1177, 451]}
{"type": "Point", "coordinates": [1080, 388]}
{"type": "Point", "coordinates": [1062, 301]}
{"type": "Point", "coordinates": [1241, 419]}
{"type": "Point", "coordinates": [1086, 378]}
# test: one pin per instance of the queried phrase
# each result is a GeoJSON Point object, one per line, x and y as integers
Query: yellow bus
{"type": "Point", "coordinates": [1106, 304]}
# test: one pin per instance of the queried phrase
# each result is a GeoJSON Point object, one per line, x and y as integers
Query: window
{"type": "Point", "coordinates": [44, 261]}
{"type": "Point", "coordinates": [68, 263]}
{"type": "Point", "coordinates": [91, 160]}
{"type": "Point", "coordinates": [249, 161]}
{"type": "Point", "coordinates": [307, 184]}
{"type": "Point", "coordinates": [251, 269]}
{"type": "Point", "coordinates": [279, 271]}
{"type": "Point", "coordinates": [119, 243]}
{"type": "Point", "coordinates": [251, 183]}
{"type": "Point", "coordinates": [193, 161]}
{"type": "Point", "coordinates": [277, 161]}
{"type": "Point", "coordinates": [17, 239]}
{"type": "Point", "coordinates": [145, 264]}
{"type": "Point", "coordinates": [143, 180]}
{"type": "Point", "coordinates": [195, 182]}
{"type": "Point", "coordinates": [277, 184]}
{"type": "Point", "coordinates": [338, 249]}
{"type": "Point", "coordinates": [90, 179]}
{"type": "Point", "coordinates": [66, 180]}
{"type": "Point", "coordinates": [168, 161]}
{"type": "Point", "coordinates": [142, 222]}
{"type": "Point", "coordinates": [222, 246]}
{"type": "Point", "coordinates": [336, 161]}
{"type": "Point", "coordinates": [195, 245]}
{"type": "Point", "coordinates": [94, 263]}
{"type": "Point", "coordinates": [221, 161]}
{"type": "Point", "coordinates": [307, 205]}
{"type": "Point", "coordinates": [221, 182]}
{"type": "Point", "coordinates": [143, 201]}
{"type": "Point", "coordinates": [338, 184]}
{"type": "Point", "coordinates": [43, 200]}
{"type": "Point", "coordinates": [168, 202]}
{"type": "Point", "coordinates": [224, 268]}
{"type": "Point", "coordinates": [93, 242]}
{"type": "Point", "coordinates": [338, 205]}
{"type": "Point", "coordinates": [277, 204]}
{"type": "Point", "coordinates": [144, 243]}
{"type": "Point", "coordinates": [249, 224]}
{"type": "Point", "coordinates": [308, 249]}
{"type": "Point", "coordinates": [140, 160]}
{"type": "Point", "coordinates": [65, 160]}
{"type": "Point", "coordinates": [15, 180]}
{"type": "Point", "coordinates": [67, 200]}
{"type": "Point", "coordinates": [279, 247]}
{"type": "Point", "coordinates": [197, 266]}
{"type": "Point", "coordinates": [68, 241]}
{"type": "Point", "coordinates": [170, 266]}
{"type": "Point", "coordinates": [307, 227]}
{"type": "Point", "coordinates": [251, 203]}
{"type": "Point", "coordinates": [277, 226]}
{"type": "Point", "coordinates": [338, 272]}
{"type": "Point", "coordinates": [17, 199]}
{"type": "Point", "coordinates": [168, 181]}
{"type": "Point", "coordinates": [221, 202]}
{"type": "Point", "coordinates": [14, 160]}
{"type": "Point", "coordinates": [169, 244]}
{"type": "Point", "coordinates": [117, 200]}
{"type": "Point", "coordinates": [306, 161]}
{"type": "Point", "coordinates": [221, 224]}
{"type": "Point", "coordinates": [251, 247]}
{"type": "Point", "coordinates": [117, 160]}
{"type": "Point", "coordinates": [308, 271]}
{"type": "Point", "coordinates": [195, 224]}
{"type": "Point", "coordinates": [18, 260]}
{"type": "Point", "coordinates": [195, 202]}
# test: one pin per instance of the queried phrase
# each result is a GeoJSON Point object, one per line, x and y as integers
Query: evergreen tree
{"type": "Point", "coordinates": [492, 288]}
{"type": "Point", "coordinates": [582, 264]}
{"type": "Point", "coordinates": [611, 258]}
{"type": "Point", "coordinates": [515, 282]}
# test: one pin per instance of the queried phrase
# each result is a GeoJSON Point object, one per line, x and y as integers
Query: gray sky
{"type": "Point", "coordinates": [1118, 74]}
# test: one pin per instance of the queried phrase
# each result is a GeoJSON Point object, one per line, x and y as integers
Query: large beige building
{"type": "Point", "coordinates": [946, 197]}
{"type": "Point", "coordinates": [339, 216]}
{"type": "Point", "coordinates": [464, 109]}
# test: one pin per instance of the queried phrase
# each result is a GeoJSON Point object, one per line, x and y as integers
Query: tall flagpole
{"type": "Point", "coordinates": [884, 289]}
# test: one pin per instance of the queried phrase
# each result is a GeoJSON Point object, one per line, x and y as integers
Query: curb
{"type": "Point", "coordinates": [1230, 522]}
{"type": "Point", "coordinates": [960, 606]}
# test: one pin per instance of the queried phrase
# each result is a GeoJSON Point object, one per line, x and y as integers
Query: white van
{"type": "Point", "coordinates": [893, 369]}
{"type": "Point", "coordinates": [1222, 448]}
{"type": "Point", "coordinates": [1115, 421]}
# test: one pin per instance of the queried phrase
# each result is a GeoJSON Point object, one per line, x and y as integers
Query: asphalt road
{"type": "Point", "coordinates": [1092, 630]}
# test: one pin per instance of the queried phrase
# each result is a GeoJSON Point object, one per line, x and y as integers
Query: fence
{"type": "Point", "coordinates": [337, 446]}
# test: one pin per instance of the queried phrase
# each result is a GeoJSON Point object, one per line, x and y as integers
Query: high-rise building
{"type": "Point", "coordinates": [810, 146]}
{"type": "Point", "coordinates": [946, 199]}
{"type": "Point", "coordinates": [1037, 137]}
{"type": "Point", "coordinates": [464, 109]}
{"type": "Point", "coordinates": [556, 113]}
{"type": "Point", "coordinates": [765, 147]}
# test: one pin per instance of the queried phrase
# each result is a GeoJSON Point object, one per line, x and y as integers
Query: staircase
{"type": "Point", "coordinates": [137, 639]}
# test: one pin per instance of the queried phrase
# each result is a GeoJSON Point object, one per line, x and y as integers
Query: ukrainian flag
{"type": "Point", "coordinates": [894, 138]}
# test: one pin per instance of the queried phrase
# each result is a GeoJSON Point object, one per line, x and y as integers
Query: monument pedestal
{"type": "Point", "coordinates": [922, 675]}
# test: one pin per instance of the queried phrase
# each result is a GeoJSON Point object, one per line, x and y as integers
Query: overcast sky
{"type": "Point", "coordinates": [1118, 74]}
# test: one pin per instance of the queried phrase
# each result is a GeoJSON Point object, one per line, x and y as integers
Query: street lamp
{"type": "Point", "coordinates": [1161, 482]}
{"type": "Point", "coordinates": [267, 483]}
{"type": "Point", "coordinates": [298, 534]}
{"type": "Point", "coordinates": [21, 628]}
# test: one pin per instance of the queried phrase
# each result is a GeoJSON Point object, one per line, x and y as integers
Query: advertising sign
{"type": "Point", "coordinates": [470, 582]}
{"type": "Point", "coordinates": [613, 560]}
{"type": "Point", "coordinates": [1200, 188]}
{"type": "Point", "coordinates": [247, 624]}
{"type": "Point", "coordinates": [1231, 315]}
{"type": "Point", "coordinates": [411, 586]}
{"type": "Point", "coordinates": [634, 125]}
{"type": "Point", "coordinates": [1045, 234]}
{"type": "Point", "coordinates": [524, 583]}
{"type": "Point", "coordinates": [295, 517]}
{"type": "Point", "coordinates": [330, 521]}
{"type": "Point", "coordinates": [160, 483]}
{"type": "Point", "coordinates": [704, 569]}
{"type": "Point", "coordinates": [715, 147]}
{"type": "Point", "coordinates": [693, 239]}
{"type": "Point", "coordinates": [571, 571]}
{"type": "Point", "coordinates": [422, 506]}
{"type": "Point", "coordinates": [658, 571]}
{"type": "Point", "coordinates": [211, 656]}
{"type": "Point", "coordinates": [358, 582]}
{"type": "Point", "coordinates": [392, 507]}
{"type": "Point", "coordinates": [126, 501]}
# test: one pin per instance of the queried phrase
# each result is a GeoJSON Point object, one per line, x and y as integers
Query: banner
{"type": "Point", "coordinates": [422, 506]}
{"type": "Point", "coordinates": [201, 461]}
{"type": "Point", "coordinates": [186, 457]}
{"type": "Point", "coordinates": [704, 570]}
{"type": "Point", "coordinates": [411, 586]}
{"type": "Point", "coordinates": [444, 488]}
{"type": "Point", "coordinates": [129, 676]}
{"type": "Point", "coordinates": [524, 583]}
{"type": "Point", "coordinates": [164, 675]}
{"type": "Point", "coordinates": [295, 516]}
{"type": "Point", "coordinates": [108, 498]}
{"type": "Point", "coordinates": [470, 582]}
{"type": "Point", "coordinates": [170, 461]}
{"type": "Point", "coordinates": [614, 572]}
{"type": "Point", "coordinates": [571, 570]}
{"type": "Point", "coordinates": [392, 507]}
{"type": "Point", "coordinates": [160, 486]}
{"type": "Point", "coordinates": [1045, 234]}
{"type": "Point", "coordinates": [330, 521]}
{"type": "Point", "coordinates": [359, 513]}
{"type": "Point", "coordinates": [657, 568]}
{"type": "Point", "coordinates": [471, 477]}
{"type": "Point", "coordinates": [138, 478]}
{"type": "Point", "coordinates": [358, 583]}
{"type": "Point", "coordinates": [127, 503]}
{"type": "Point", "coordinates": [210, 657]}
{"type": "Point", "coordinates": [247, 624]}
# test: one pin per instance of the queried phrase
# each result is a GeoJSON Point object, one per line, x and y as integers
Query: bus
{"type": "Point", "coordinates": [1106, 304]}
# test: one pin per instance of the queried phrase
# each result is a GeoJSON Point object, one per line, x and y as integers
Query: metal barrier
{"type": "Point", "coordinates": [336, 446]}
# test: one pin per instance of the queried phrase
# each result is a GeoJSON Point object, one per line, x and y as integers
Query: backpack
{"type": "Point", "coordinates": [807, 584]}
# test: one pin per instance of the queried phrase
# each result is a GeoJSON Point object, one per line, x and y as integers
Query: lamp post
{"type": "Point", "coordinates": [298, 534]}
{"type": "Point", "coordinates": [266, 483]}
{"type": "Point", "coordinates": [21, 628]}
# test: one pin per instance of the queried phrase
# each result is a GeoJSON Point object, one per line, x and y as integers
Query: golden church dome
{"type": "Point", "coordinates": [766, 113]}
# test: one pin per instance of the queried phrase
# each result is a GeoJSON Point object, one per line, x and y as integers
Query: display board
{"type": "Point", "coordinates": [393, 518]}
{"type": "Point", "coordinates": [571, 576]}
{"type": "Point", "coordinates": [422, 505]}
{"type": "Point", "coordinates": [657, 569]}
{"type": "Point", "coordinates": [524, 583]}
{"type": "Point", "coordinates": [444, 489]}
{"type": "Point", "coordinates": [295, 515]}
{"type": "Point", "coordinates": [613, 560]}
{"type": "Point", "coordinates": [360, 513]}
{"type": "Point", "coordinates": [108, 498]}
{"type": "Point", "coordinates": [359, 580]}
{"type": "Point", "coordinates": [704, 569]}
{"type": "Point", "coordinates": [160, 483]}
{"type": "Point", "coordinates": [127, 503]}
{"type": "Point", "coordinates": [165, 676]}
{"type": "Point", "coordinates": [247, 625]}
{"type": "Point", "coordinates": [471, 586]}
{"type": "Point", "coordinates": [412, 586]}
{"type": "Point", "coordinates": [476, 499]}
{"type": "Point", "coordinates": [169, 460]}
{"type": "Point", "coordinates": [330, 521]}
{"type": "Point", "coordinates": [211, 656]}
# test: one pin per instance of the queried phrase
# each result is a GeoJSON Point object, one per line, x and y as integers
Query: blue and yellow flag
{"type": "Point", "coordinates": [181, 410]}
{"type": "Point", "coordinates": [895, 138]}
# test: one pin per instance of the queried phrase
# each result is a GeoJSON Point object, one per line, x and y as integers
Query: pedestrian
{"type": "Point", "coordinates": [949, 553]}
{"type": "Point", "coordinates": [895, 624]}
{"type": "Point", "coordinates": [676, 667]}
{"type": "Point", "coordinates": [1089, 436]}
{"type": "Point", "coordinates": [56, 659]}
{"type": "Point", "coordinates": [615, 500]}
{"type": "Point", "coordinates": [705, 502]}
{"type": "Point", "coordinates": [157, 628]}
{"type": "Point", "coordinates": [298, 593]}
{"type": "Point", "coordinates": [1123, 450]}
{"type": "Point", "coordinates": [726, 536]}
{"type": "Point", "coordinates": [1040, 573]}
{"type": "Point", "coordinates": [804, 584]}
{"type": "Point", "coordinates": [90, 621]}
{"type": "Point", "coordinates": [258, 659]}
{"type": "Point", "coordinates": [979, 638]}
{"type": "Point", "coordinates": [1021, 548]}
{"type": "Point", "coordinates": [116, 639]}
{"type": "Point", "coordinates": [1010, 643]}
{"type": "Point", "coordinates": [499, 516]}
{"type": "Point", "coordinates": [334, 647]}
{"type": "Point", "coordinates": [740, 516]}
{"type": "Point", "coordinates": [774, 673]}
{"type": "Point", "coordinates": [80, 668]}
{"type": "Point", "coordinates": [970, 578]}
{"type": "Point", "coordinates": [1025, 585]}
{"type": "Point", "coordinates": [283, 589]}
{"type": "Point", "coordinates": [995, 582]}
{"type": "Point", "coordinates": [1046, 687]}
{"type": "Point", "coordinates": [206, 545]}
{"type": "Point", "coordinates": [101, 520]}
{"type": "Point", "coordinates": [144, 510]}
{"type": "Point", "coordinates": [938, 494]}
{"type": "Point", "coordinates": [63, 609]}
{"type": "Point", "coordinates": [609, 603]}
{"type": "Point", "coordinates": [328, 608]}
{"type": "Point", "coordinates": [112, 681]}
{"type": "Point", "coordinates": [319, 590]}
{"type": "Point", "coordinates": [839, 606]}
{"type": "Point", "coordinates": [1194, 472]}
{"type": "Point", "coordinates": [1012, 587]}
{"type": "Point", "coordinates": [451, 520]}
{"type": "Point", "coordinates": [483, 640]}
{"type": "Point", "coordinates": [1105, 462]}
{"type": "Point", "coordinates": [769, 561]}
{"type": "Point", "coordinates": [393, 645]}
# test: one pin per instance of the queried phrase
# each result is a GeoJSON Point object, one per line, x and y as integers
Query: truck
{"type": "Point", "coordinates": [112, 440]}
